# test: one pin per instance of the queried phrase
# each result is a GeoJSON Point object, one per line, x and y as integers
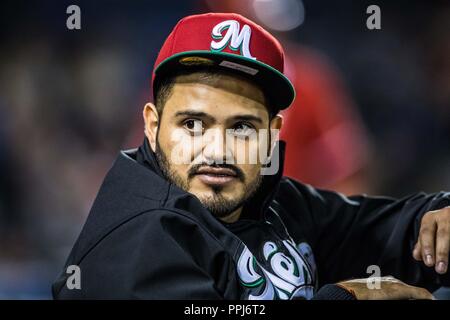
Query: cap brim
{"type": "Point", "coordinates": [275, 84]}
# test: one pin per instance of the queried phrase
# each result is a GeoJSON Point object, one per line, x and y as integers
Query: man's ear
{"type": "Point", "coordinates": [151, 120]}
{"type": "Point", "coordinates": [275, 126]}
{"type": "Point", "coordinates": [276, 122]}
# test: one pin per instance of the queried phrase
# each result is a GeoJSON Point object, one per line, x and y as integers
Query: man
{"type": "Point", "coordinates": [186, 216]}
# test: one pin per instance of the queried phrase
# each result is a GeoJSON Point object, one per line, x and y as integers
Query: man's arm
{"type": "Point", "coordinates": [352, 233]}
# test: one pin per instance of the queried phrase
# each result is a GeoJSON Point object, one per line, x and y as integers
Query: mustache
{"type": "Point", "coordinates": [196, 167]}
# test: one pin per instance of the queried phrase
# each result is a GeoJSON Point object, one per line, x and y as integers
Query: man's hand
{"type": "Point", "coordinates": [390, 289]}
{"type": "Point", "coordinates": [433, 244]}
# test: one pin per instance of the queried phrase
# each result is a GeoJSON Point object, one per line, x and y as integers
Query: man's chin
{"type": "Point", "coordinates": [227, 190]}
{"type": "Point", "coordinates": [219, 204]}
{"type": "Point", "coordinates": [213, 196]}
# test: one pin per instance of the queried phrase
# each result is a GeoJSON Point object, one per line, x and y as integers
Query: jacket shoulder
{"type": "Point", "coordinates": [144, 252]}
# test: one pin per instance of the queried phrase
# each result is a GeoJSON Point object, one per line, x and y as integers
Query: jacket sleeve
{"type": "Point", "coordinates": [157, 255]}
{"type": "Point", "coordinates": [352, 233]}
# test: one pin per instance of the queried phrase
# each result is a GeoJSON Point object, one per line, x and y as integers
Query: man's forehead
{"type": "Point", "coordinates": [227, 82]}
{"type": "Point", "coordinates": [219, 96]}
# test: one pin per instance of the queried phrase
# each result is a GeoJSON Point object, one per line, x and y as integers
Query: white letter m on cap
{"type": "Point", "coordinates": [237, 40]}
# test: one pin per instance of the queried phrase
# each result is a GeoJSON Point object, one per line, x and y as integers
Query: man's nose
{"type": "Point", "coordinates": [216, 149]}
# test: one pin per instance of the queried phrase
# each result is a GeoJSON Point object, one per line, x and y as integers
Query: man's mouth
{"type": "Point", "coordinates": [216, 176]}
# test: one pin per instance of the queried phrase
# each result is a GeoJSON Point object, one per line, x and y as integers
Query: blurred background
{"type": "Point", "coordinates": [372, 112]}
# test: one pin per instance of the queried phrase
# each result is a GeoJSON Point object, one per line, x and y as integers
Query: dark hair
{"type": "Point", "coordinates": [164, 85]}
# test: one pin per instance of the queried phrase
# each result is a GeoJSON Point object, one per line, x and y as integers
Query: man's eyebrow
{"type": "Point", "coordinates": [247, 117]}
{"type": "Point", "coordinates": [201, 114]}
{"type": "Point", "coordinates": [191, 113]}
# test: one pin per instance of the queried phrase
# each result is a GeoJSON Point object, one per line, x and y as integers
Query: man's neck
{"type": "Point", "coordinates": [232, 217]}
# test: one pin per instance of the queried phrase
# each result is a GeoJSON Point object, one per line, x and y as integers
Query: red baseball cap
{"type": "Point", "coordinates": [230, 42]}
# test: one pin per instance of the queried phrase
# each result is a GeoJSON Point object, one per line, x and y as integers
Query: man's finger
{"type": "Point", "coordinates": [427, 239]}
{"type": "Point", "coordinates": [419, 293]}
{"type": "Point", "coordinates": [442, 246]}
{"type": "Point", "coordinates": [417, 252]}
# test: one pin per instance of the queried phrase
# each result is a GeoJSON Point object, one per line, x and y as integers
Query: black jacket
{"type": "Point", "coordinates": [146, 238]}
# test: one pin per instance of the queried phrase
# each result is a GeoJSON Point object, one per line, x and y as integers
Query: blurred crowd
{"type": "Point", "coordinates": [372, 113]}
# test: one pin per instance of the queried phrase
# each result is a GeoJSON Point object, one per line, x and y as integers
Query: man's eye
{"type": "Point", "coordinates": [243, 129]}
{"type": "Point", "coordinates": [194, 126]}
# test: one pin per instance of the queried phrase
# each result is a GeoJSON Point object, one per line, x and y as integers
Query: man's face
{"type": "Point", "coordinates": [207, 138]}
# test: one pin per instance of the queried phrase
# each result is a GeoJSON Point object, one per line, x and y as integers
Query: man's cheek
{"type": "Point", "coordinates": [257, 149]}
{"type": "Point", "coordinates": [245, 152]}
{"type": "Point", "coordinates": [249, 171]}
{"type": "Point", "coordinates": [183, 147]}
